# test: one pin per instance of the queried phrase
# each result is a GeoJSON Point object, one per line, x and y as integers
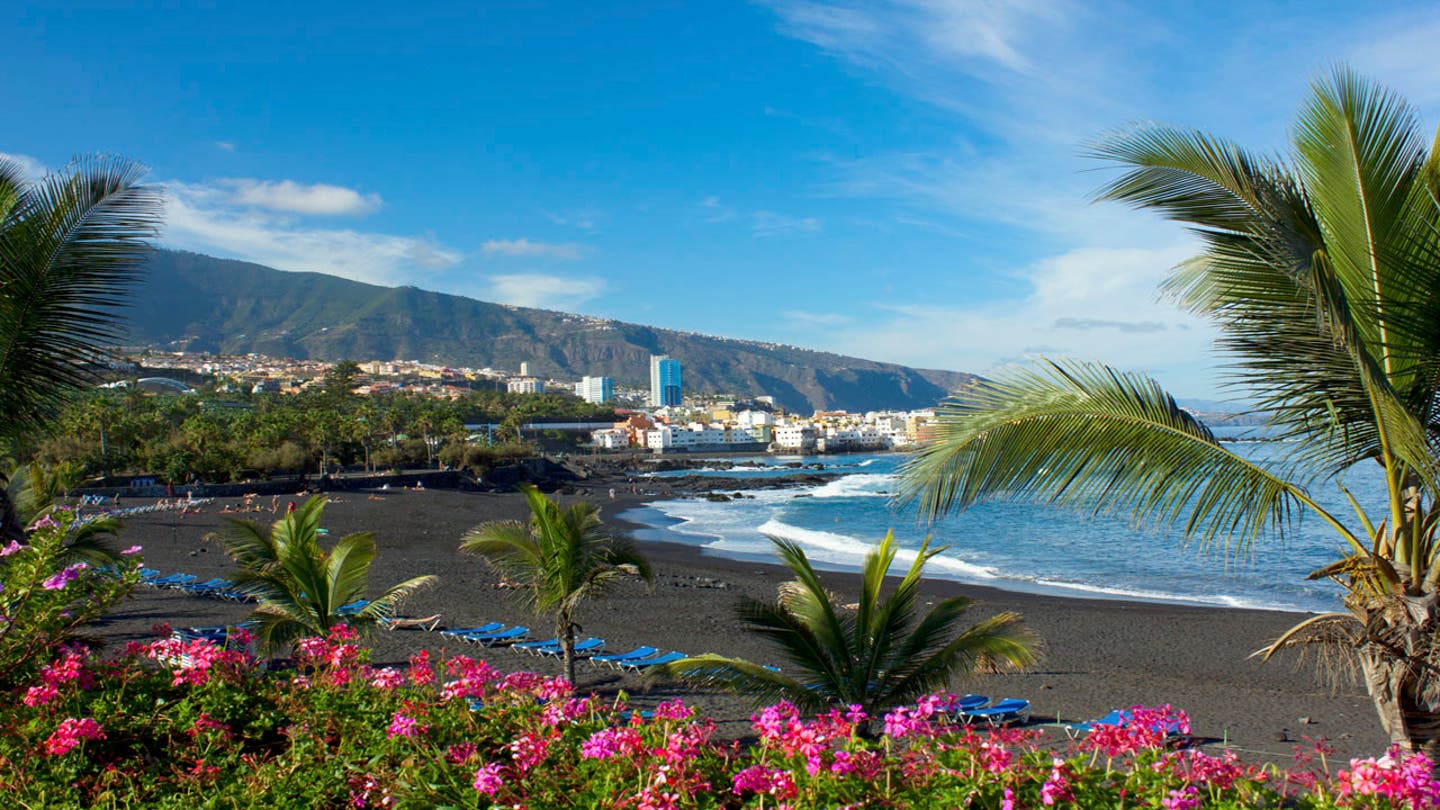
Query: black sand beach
{"type": "Point", "coordinates": [1099, 654]}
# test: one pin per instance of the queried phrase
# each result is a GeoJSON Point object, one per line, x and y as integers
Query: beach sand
{"type": "Point", "coordinates": [1099, 654]}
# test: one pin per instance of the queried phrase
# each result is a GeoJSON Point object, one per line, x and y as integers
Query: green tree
{"type": "Point", "coordinates": [301, 586]}
{"type": "Point", "coordinates": [1322, 273]}
{"type": "Point", "coordinates": [562, 557]}
{"type": "Point", "coordinates": [71, 245]}
{"type": "Point", "coordinates": [875, 655]}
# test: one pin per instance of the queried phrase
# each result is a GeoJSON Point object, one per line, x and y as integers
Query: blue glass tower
{"type": "Point", "coordinates": [664, 381]}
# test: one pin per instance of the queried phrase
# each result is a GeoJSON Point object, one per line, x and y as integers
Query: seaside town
{"type": "Point", "coordinates": [662, 418]}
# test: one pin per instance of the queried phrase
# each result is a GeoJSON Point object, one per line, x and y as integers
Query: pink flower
{"type": "Point", "coordinates": [609, 743]}
{"type": "Point", "coordinates": [674, 710]}
{"type": "Point", "coordinates": [133, 550]}
{"type": "Point", "coordinates": [40, 695]}
{"type": "Point", "coordinates": [388, 679]}
{"type": "Point", "coordinates": [70, 733]}
{"type": "Point", "coordinates": [487, 779]}
{"type": "Point", "coordinates": [770, 781]}
{"type": "Point", "coordinates": [1186, 798]}
{"type": "Point", "coordinates": [421, 672]}
{"type": "Point", "coordinates": [530, 749]}
{"type": "Point", "coordinates": [10, 549]}
{"type": "Point", "coordinates": [459, 753]}
{"type": "Point", "coordinates": [402, 725]}
{"type": "Point", "coordinates": [45, 522]}
{"type": "Point", "coordinates": [65, 577]}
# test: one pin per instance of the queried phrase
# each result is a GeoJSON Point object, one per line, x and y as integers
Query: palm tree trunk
{"type": "Point", "coordinates": [1398, 658]}
{"type": "Point", "coordinates": [566, 633]}
{"type": "Point", "coordinates": [10, 528]}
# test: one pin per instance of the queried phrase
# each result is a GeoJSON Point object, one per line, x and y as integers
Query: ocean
{"type": "Point", "coordinates": [1019, 547]}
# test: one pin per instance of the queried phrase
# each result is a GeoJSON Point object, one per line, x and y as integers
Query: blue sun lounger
{"type": "Point", "coordinates": [205, 587]}
{"type": "Point", "coordinates": [465, 631]}
{"type": "Point", "coordinates": [497, 637]}
{"type": "Point", "coordinates": [532, 646]}
{"type": "Point", "coordinates": [966, 704]}
{"type": "Point", "coordinates": [637, 664]}
{"type": "Point", "coordinates": [587, 647]}
{"type": "Point", "coordinates": [613, 659]}
{"type": "Point", "coordinates": [352, 608]}
{"type": "Point", "coordinates": [1118, 717]}
{"type": "Point", "coordinates": [1003, 712]}
{"type": "Point", "coordinates": [171, 579]}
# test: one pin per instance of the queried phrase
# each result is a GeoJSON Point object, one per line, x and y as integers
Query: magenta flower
{"type": "Point", "coordinates": [487, 779]}
{"type": "Point", "coordinates": [45, 522]}
{"type": "Point", "coordinates": [133, 550]}
{"type": "Point", "coordinates": [65, 577]}
{"type": "Point", "coordinates": [13, 547]}
{"type": "Point", "coordinates": [70, 733]}
{"type": "Point", "coordinates": [402, 725]}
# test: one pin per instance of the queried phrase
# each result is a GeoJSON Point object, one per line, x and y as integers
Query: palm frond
{"type": "Point", "coordinates": [1085, 436]}
{"type": "Point", "coordinates": [70, 247]}
{"type": "Point", "coordinates": [738, 676]}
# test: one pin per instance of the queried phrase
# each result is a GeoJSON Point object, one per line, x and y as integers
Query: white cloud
{"type": "Point", "coordinates": [800, 317]}
{"type": "Point", "coordinates": [206, 219]}
{"type": "Point", "coordinates": [545, 291]}
{"type": "Point", "coordinates": [225, 146]}
{"type": "Point", "coordinates": [978, 32]}
{"type": "Point", "coordinates": [535, 250]}
{"type": "Point", "coordinates": [585, 219]}
{"type": "Point", "coordinates": [31, 167]}
{"type": "Point", "coordinates": [1090, 303]}
{"type": "Point", "coordinates": [769, 223]}
{"type": "Point", "coordinates": [297, 198]}
{"type": "Point", "coordinates": [716, 210]}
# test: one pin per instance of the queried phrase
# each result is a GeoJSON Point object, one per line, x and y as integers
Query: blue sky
{"type": "Point", "coordinates": [896, 180]}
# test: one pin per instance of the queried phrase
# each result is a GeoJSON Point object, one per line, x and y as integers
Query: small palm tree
{"type": "Point", "coordinates": [71, 245]}
{"type": "Point", "coordinates": [562, 557]}
{"type": "Point", "coordinates": [300, 586]}
{"type": "Point", "coordinates": [875, 655]}
{"type": "Point", "coordinates": [1322, 273]}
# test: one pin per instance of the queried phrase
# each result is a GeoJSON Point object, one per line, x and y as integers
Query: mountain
{"type": "Point", "coordinates": [202, 303]}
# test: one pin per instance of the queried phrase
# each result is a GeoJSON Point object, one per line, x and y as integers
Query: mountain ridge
{"type": "Point", "coordinates": [228, 306]}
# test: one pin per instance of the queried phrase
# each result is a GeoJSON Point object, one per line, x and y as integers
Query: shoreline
{"type": "Point", "coordinates": [1100, 654]}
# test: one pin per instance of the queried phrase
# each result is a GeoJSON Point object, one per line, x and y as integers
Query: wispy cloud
{"type": "Point", "coordinates": [716, 211]}
{"type": "Point", "coordinates": [1399, 55]}
{"type": "Point", "coordinates": [544, 291]}
{"type": "Point", "coordinates": [321, 199]}
{"type": "Point", "coordinates": [1089, 302]}
{"type": "Point", "coordinates": [207, 218]}
{"type": "Point", "coordinates": [586, 219]}
{"type": "Point", "coordinates": [570, 251]}
{"type": "Point", "coordinates": [769, 223]}
{"type": "Point", "coordinates": [225, 146]}
{"type": "Point", "coordinates": [800, 317]}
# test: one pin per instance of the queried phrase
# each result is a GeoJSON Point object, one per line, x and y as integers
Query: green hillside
{"type": "Point", "coordinates": [202, 303]}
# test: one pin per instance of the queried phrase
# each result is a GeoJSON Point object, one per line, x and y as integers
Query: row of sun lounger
{"type": "Point", "coordinates": [216, 588]}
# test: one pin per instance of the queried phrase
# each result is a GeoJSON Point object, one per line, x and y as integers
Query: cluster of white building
{"type": "Point", "coordinates": [756, 430]}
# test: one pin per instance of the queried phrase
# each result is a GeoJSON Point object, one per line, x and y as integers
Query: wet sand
{"type": "Point", "coordinates": [1099, 654]}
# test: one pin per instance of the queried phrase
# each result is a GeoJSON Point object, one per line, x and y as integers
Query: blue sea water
{"type": "Point", "coordinates": [1019, 547]}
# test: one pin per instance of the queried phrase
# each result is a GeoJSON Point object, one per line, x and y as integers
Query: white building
{"type": "Point", "coordinates": [525, 385]}
{"type": "Point", "coordinates": [749, 419]}
{"type": "Point", "coordinates": [610, 439]}
{"type": "Point", "coordinates": [595, 390]}
{"type": "Point", "coordinates": [795, 437]}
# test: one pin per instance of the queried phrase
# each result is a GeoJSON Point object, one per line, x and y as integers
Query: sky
{"type": "Point", "coordinates": [900, 180]}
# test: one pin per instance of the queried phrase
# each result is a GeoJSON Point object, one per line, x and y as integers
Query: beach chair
{"type": "Point", "coordinates": [965, 704]}
{"type": "Point", "coordinates": [638, 664]}
{"type": "Point", "coordinates": [148, 575]}
{"type": "Point", "coordinates": [588, 646]}
{"type": "Point", "coordinates": [498, 637]}
{"type": "Point", "coordinates": [465, 631]}
{"type": "Point", "coordinates": [1120, 717]}
{"type": "Point", "coordinates": [626, 716]}
{"type": "Point", "coordinates": [168, 580]}
{"type": "Point", "coordinates": [1114, 718]}
{"type": "Point", "coordinates": [1001, 713]}
{"type": "Point", "coordinates": [177, 581]}
{"type": "Point", "coordinates": [532, 646]}
{"type": "Point", "coordinates": [209, 585]}
{"type": "Point", "coordinates": [613, 659]}
{"type": "Point", "coordinates": [352, 608]}
{"type": "Point", "coordinates": [403, 623]}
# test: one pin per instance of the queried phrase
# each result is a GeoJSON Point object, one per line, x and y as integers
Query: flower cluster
{"type": "Point", "coordinates": [66, 575]}
{"type": "Point", "coordinates": [68, 668]}
{"type": "Point", "coordinates": [1403, 781]}
{"type": "Point", "coordinates": [70, 733]}
{"type": "Point", "coordinates": [195, 662]}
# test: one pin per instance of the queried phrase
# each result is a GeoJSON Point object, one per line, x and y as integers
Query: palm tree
{"type": "Point", "coordinates": [873, 655]}
{"type": "Point", "coordinates": [300, 586]}
{"type": "Point", "coordinates": [562, 557]}
{"type": "Point", "coordinates": [1322, 273]}
{"type": "Point", "coordinates": [71, 245]}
